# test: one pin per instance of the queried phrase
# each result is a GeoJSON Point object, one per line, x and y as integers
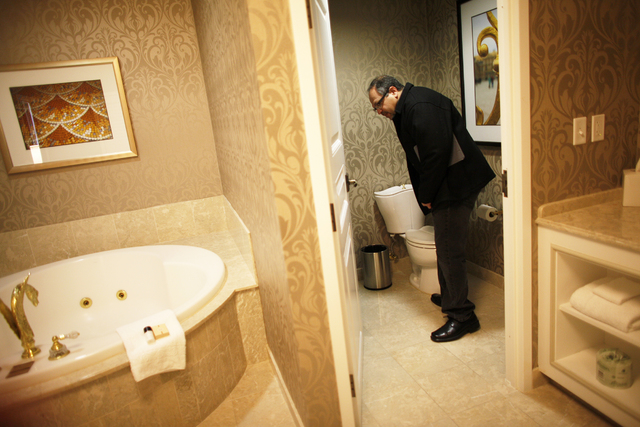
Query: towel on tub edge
{"type": "Point", "coordinates": [624, 317]}
{"type": "Point", "coordinates": [164, 355]}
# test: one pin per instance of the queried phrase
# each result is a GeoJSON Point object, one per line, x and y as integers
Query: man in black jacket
{"type": "Point", "coordinates": [447, 172]}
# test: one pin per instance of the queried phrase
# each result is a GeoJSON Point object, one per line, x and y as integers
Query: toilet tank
{"type": "Point", "coordinates": [399, 208]}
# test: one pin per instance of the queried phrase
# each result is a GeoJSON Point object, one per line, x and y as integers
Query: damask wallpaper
{"type": "Point", "coordinates": [156, 44]}
{"type": "Point", "coordinates": [415, 41]}
{"type": "Point", "coordinates": [585, 60]}
{"type": "Point", "coordinates": [253, 89]}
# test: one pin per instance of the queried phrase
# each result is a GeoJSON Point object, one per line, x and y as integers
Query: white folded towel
{"type": "Point", "coordinates": [624, 317]}
{"type": "Point", "coordinates": [164, 355]}
{"type": "Point", "coordinates": [618, 290]}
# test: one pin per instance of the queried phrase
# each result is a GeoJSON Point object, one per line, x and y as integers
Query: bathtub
{"type": "Point", "coordinates": [153, 278]}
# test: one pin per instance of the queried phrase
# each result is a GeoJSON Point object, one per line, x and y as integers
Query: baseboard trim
{"type": "Point", "coordinates": [285, 392]}
{"type": "Point", "coordinates": [485, 274]}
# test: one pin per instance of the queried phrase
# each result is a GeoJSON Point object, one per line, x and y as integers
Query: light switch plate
{"type": "Point", "coordinates": [597, 128]}
{"type": "Point", "coordinates": [580, 131]}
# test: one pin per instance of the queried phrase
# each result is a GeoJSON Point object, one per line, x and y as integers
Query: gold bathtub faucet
{"type": "Point", "coordinates": [17, 319]}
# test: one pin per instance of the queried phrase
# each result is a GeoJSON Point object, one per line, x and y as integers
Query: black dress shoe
{"type": "Point", "coordinates": [436, 299]}
{"type": "Point", "coordinates": [454, 330]}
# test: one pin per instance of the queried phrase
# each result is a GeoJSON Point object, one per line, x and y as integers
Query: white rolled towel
{"type": "Point", "coordinates": [624, 317]}
{"type": "Point", "coordinates": [164, 355]}
{"type": "Point", "coordinates": [618, 290]}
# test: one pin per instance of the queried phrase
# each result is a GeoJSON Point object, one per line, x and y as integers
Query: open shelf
{"type": "Point", "coordinates": [632, 338]}
{"type": "Point", "coordinates": [570, 340]}
{"type": "Point", "coordinates": [582, 367]}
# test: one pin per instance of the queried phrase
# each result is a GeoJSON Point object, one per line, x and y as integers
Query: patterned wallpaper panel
{"type": "Point", "coordinates": [585, 60]}
{"type": "Point", "coordinates": [284, 127]}
{"type": "Point", "coordinates": [156, 44]}
{"type": "Point", "coordinates": [415, 41]}
{"type": "Point", "coordinates": [252, 84]}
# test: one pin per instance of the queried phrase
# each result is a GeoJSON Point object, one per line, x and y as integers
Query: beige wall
{"type": "Point", "coordinates": [156, 44]}
{"type": "Point", "coordinates": [414, 41]}
{"type": "Point", "coordinates": [585, 60]}
{"type": "Point", "coordinates": [252, 84]}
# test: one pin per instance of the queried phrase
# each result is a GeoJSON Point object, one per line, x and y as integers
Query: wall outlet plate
{"type": "Point", "coordinates": [579, 130]}
{"type": "Point", "coordinates": [597, 128]}
{"type": "Point", "coordinates": [630, 187]}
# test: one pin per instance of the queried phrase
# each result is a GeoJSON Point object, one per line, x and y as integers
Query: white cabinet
{"type": "Point", "coordinates": [569, 340]}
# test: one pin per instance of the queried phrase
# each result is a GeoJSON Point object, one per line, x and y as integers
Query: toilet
{"type": "Point", "coordinates": [403, 216]}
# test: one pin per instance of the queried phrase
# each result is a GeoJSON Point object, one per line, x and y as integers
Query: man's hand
{"type": "Point", "coordinates": [427, 205]}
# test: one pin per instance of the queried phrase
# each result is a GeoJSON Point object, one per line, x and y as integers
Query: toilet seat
{"type": "Point", "coordinates": [422, 238]}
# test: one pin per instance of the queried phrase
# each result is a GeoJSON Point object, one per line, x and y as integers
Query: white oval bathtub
{"type": "Point", "coordinates": [155, 278]}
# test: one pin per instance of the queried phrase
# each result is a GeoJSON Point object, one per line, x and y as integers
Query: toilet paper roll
{"type": "Point", "coordinates": [613, 368]}
{"type": "Point", "coordinates": [487, 212]}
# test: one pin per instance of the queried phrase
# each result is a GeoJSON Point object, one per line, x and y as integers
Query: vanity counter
{"type": "Point", "coordinates": [599, 217]}
{"type": "Point", "coordinates": [582, 240]}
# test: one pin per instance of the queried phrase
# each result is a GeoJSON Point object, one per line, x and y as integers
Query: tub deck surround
{"type": "Point", "coordinates": [154, 278]}
{"type": "Point", "coordinates": [599, 217]}
{"type": "Point", "coordinates": [223, 337]}
{"type": "Point", "coordinates": [239, 278]}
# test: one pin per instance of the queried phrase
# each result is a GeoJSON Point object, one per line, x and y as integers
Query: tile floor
{"type": "Point", "coordinates": [411, 381]}
{"type": "Point", "coordinates": [256, 401]}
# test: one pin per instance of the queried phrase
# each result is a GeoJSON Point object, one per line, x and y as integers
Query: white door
{"type": "Point", "coordinates": [327, 88]}
{"type": "Point", "coordinates": [326, 155]}
{"type": "Point", "coordinates": [516, 162]}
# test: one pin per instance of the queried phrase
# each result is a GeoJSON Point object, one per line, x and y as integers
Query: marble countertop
{"type": "Point", "coordinates": [600, 217]}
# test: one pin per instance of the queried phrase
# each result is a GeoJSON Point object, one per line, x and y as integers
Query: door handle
{"type": "Point", "coordinates": [350, 182]}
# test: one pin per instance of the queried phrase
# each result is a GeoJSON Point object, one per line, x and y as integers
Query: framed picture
{"type": "Point", "coordinates": [59, 114]}
{"type": "Point", "coordinates": [480, 80]}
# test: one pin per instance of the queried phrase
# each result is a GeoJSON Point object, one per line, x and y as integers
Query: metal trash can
{"type": "Point", "coordinates": [377, 272]}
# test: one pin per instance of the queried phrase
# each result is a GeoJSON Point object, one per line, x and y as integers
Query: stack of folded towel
{"type": "Point", "coordinates": [614, 301]}
{"type": "Point", "coordinates": [164, 355]}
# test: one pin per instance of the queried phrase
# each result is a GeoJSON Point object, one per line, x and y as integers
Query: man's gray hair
{"type": "Point", "coordinates": [383, 83]}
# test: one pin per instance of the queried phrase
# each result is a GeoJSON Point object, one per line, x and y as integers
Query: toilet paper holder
{"type": "Point", "coordinates": [488, 213]}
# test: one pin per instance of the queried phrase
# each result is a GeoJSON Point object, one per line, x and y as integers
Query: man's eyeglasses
{"type": "Point", "coordinates": [378, 105]}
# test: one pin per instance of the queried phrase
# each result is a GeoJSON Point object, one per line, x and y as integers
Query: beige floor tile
{"type": "Point", "coordinates": [372, 348]}
{"type": "Point", "coordinates": [367, 418]}
{"type": "Point", "coordinates": [430, 321]}
{"type": "Point", "coordinates": [458, 389]}
{"type": "Point", "coordinates": [379, 312]}
{"type": "Point", "coordinates": [492, 368]}
{"type": "Point", "coordinates": [399, 335]}
{"type": "Point", "coordinates": [548, 405]}
{"type": "Point", "coordinates": [498, 412]}
{"type": "Point", "coordinates": [384, 378]}
{"type": "Point", "coordinates": [475, 345]}
{"type": "Point", "coordinates": [424, 359]}
{"type": "Point", "coordinates": [409, 408]}
{"type": "Point", "coordinates": [262, 410]}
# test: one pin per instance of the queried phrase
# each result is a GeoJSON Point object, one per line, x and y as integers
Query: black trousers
{"type": "Point", "coordinates": [451, 226]}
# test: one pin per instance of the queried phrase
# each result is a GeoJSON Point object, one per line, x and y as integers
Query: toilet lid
{"type": "Point", "coordinates": [423, 236]}
{"type": "Point", "coordinates": [392, 191]}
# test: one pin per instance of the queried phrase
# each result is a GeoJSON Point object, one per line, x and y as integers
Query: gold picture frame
{"type": "Point", "coordinates": [66, 113]}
